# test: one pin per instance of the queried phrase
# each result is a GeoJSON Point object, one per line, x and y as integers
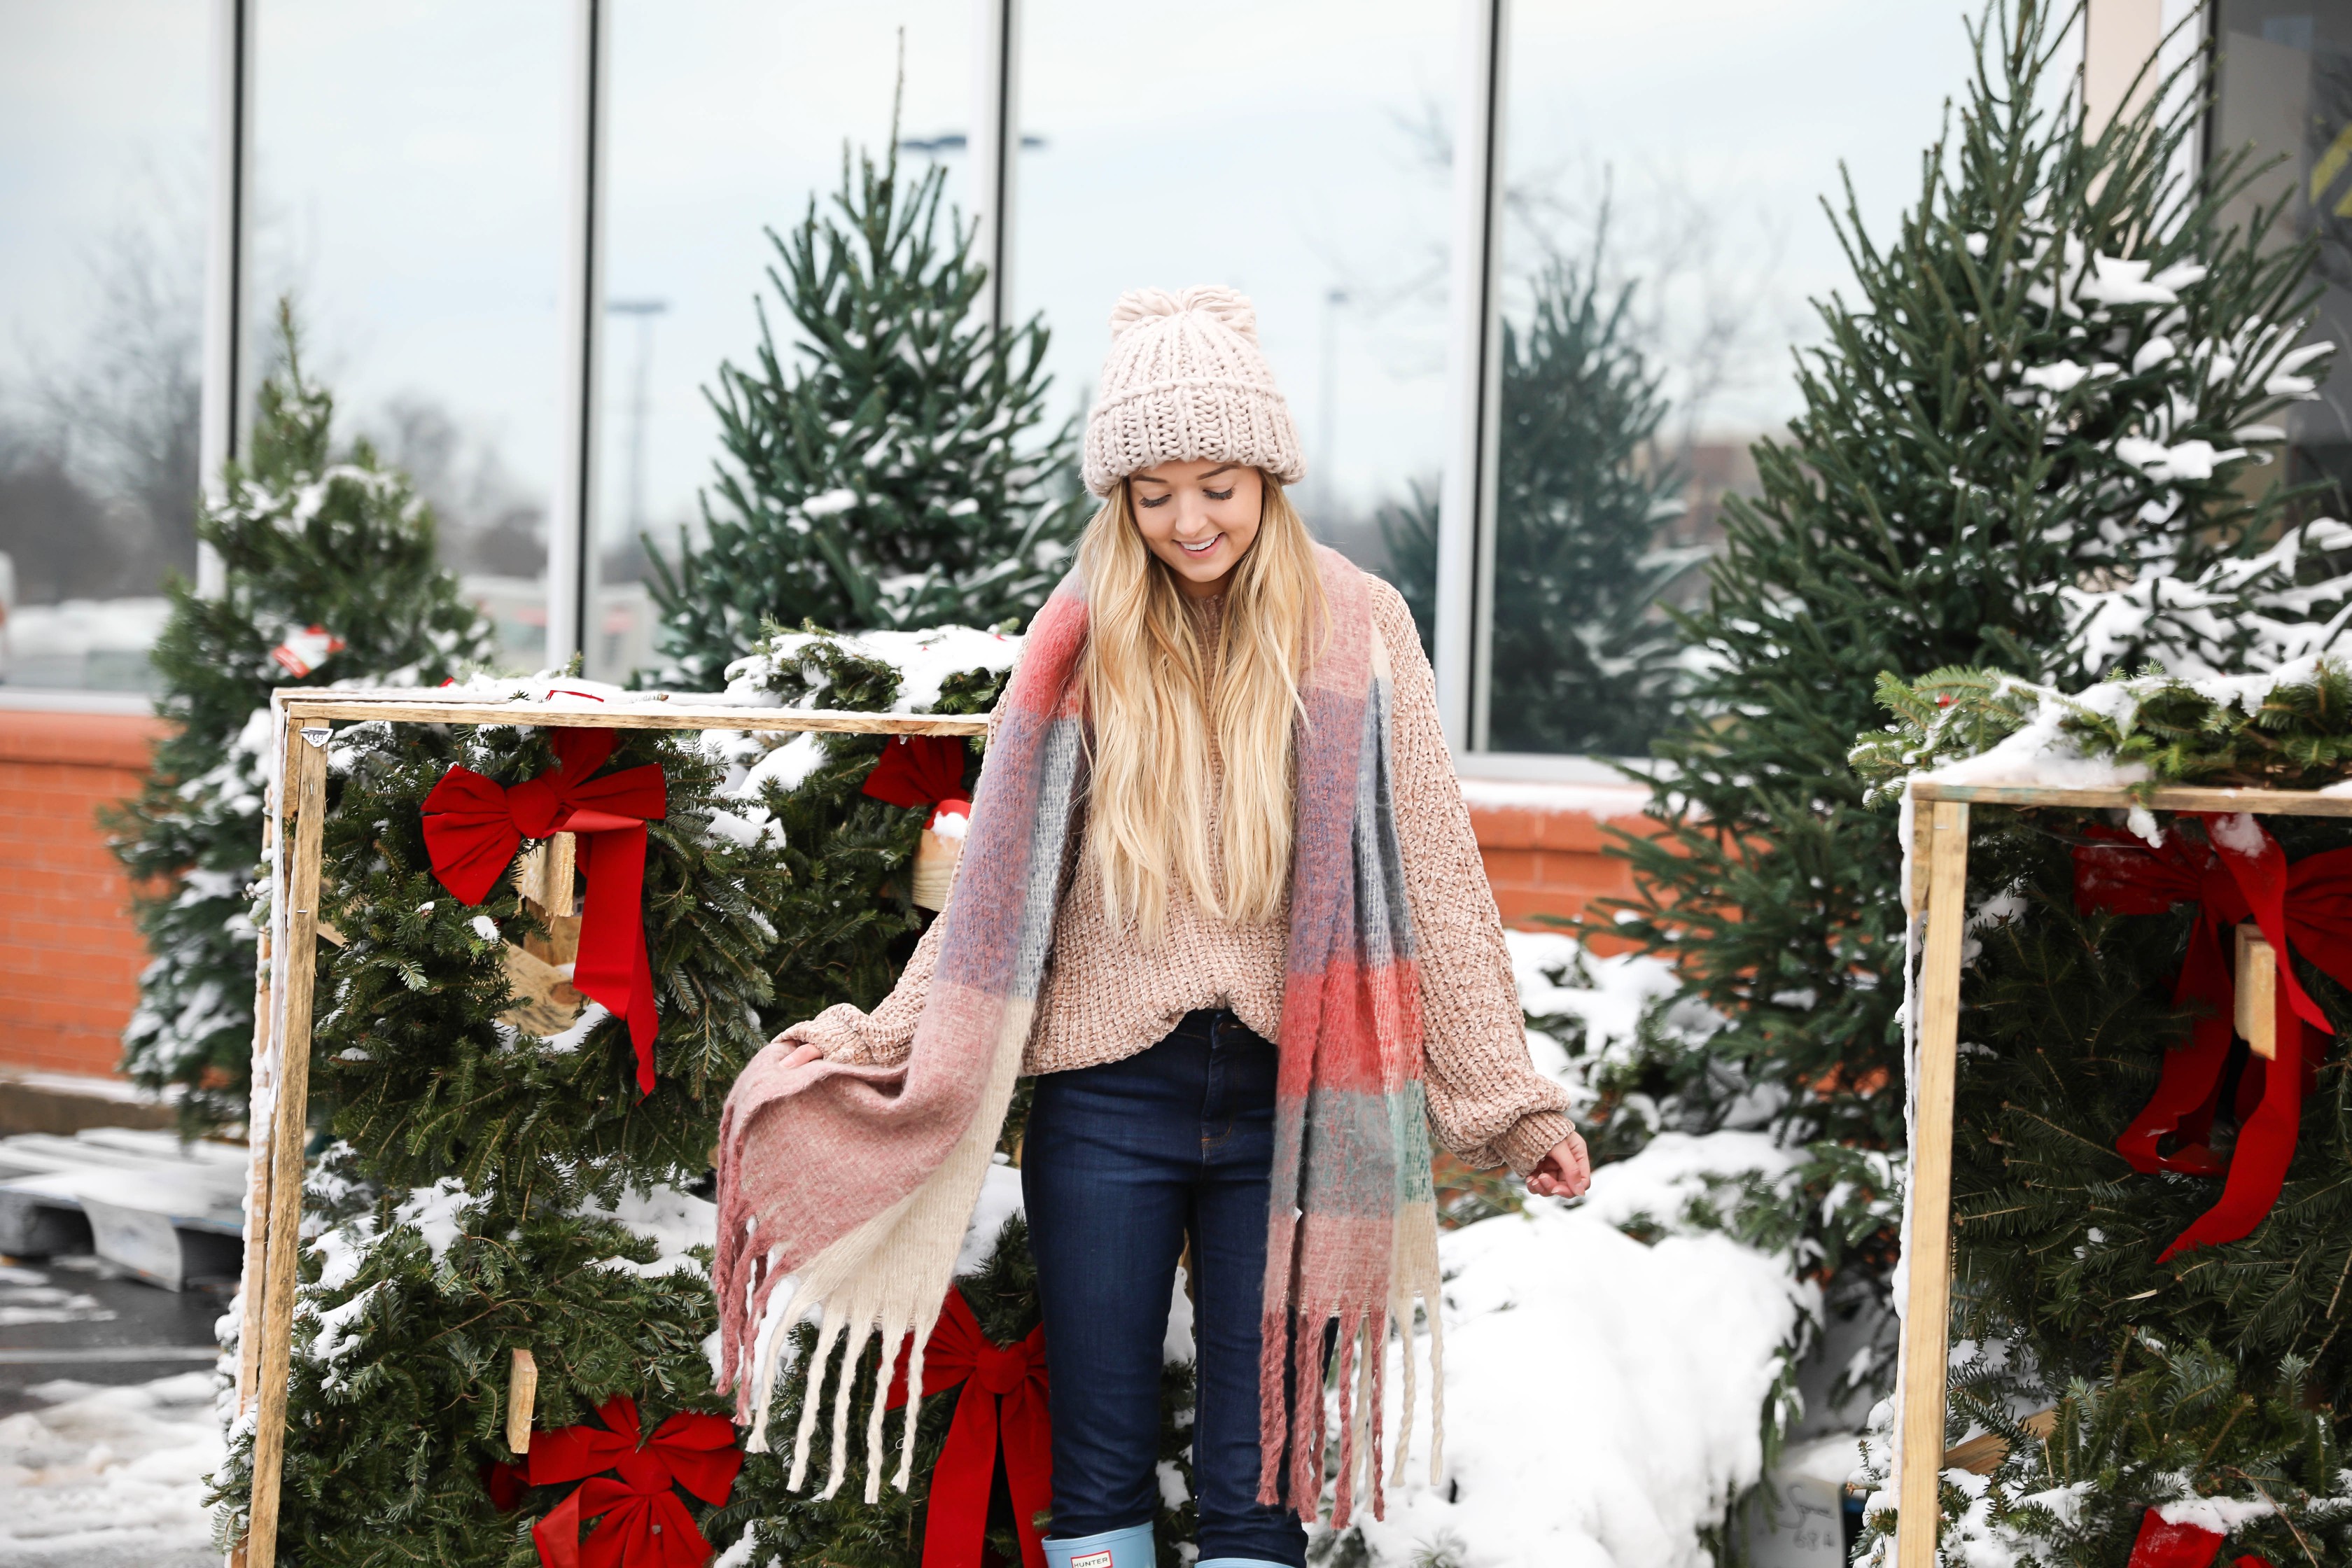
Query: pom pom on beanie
{"type": "Point", "coordinates": [1184, 381]}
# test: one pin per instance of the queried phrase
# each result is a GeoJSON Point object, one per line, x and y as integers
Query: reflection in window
{"type": "Point", "coordinates": [1256, 145]}
{"type": "Point", "coordinates": [409, 173]}
{"type": "Point", "coordinates": [1662, 170]}
{"type": "Point", "coordinates": [720, 132]}
{"type": "Point", "coordinates": [103, 145]}
{"type": "Point", "coordinates": [2286, 94]}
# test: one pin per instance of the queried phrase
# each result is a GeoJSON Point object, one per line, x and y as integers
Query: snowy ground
{"type": "Point", "coordinates": [1602, 1398]}
{"type": "Point", "coordinates": [109, 1477]}
{"type": "Point", "coordinates": [107, 1422]}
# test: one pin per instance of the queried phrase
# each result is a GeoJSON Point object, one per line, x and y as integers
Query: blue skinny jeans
{"type": "Point", "coordinates": [1119, 1164]}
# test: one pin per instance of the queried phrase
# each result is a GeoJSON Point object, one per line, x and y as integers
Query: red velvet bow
{"type": "Point", "coordinates": [2306, 909]}
{"type": "Point", "coordinates": [643, 1524]}
{"type": "Point", "coordinates": [1011, 1377]}
{"type": "Point", "coordinates": [2163, 1546]}
{"type": "Point", "coordinates": [920, 770]}
{"type": "Point", "coordinates": [473, 827]}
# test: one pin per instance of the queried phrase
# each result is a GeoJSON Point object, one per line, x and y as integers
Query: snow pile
{"type": "Point", "coordinates": [1604, 1398]}
{"type": "Point", "coordinates": [1605, 1395]}
{"type": "Point", "coordinates": [1584, 1011]}
{"type": "Point", "coordinates": [794, 665]}
{"type": "Point", "coordinates": [674, 1221]}
{"type": "Point", "coordinates": [110, 1478]}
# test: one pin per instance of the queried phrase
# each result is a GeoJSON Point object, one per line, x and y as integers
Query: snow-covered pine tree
{"type": "Point", "coordinates": [1582, 659]}
{"type": "Point", "coordinates": [308, 540]}
{"type": "Point", "coordinates": [889, 468]}
{"type": "Point", "coordinates": [2035, 438]}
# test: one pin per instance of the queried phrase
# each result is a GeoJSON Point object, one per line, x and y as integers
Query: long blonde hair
{"type": "Point", "coordinates": [1158, 698]}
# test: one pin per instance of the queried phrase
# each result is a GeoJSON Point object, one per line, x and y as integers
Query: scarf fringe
{"type": "Point", "coordinates": [886, 1280]}
{"type": "Point", "coordinates": [1354, 1372]}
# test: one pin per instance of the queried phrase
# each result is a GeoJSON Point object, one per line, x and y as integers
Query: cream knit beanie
{"type": "Point", "coordinates": [1185, 380]}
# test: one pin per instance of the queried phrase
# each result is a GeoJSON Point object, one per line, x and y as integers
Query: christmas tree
{"type": "Point", "coordinates": [330, 575]}
{"type": "Point", "coordinates": [1583, 660]}
{"type": "Point", "coordinates": [2117, 1369]}
{"type": "Point", "coordinates": [2035, 438]}
{"type": "Point", "coordinates": [888, 468]}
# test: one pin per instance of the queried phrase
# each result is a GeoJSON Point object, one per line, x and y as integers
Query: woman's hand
{"type": "Point", "coordinates": [805, 1052]}
{"type": "Point", "coordinates": [1564, 1173]}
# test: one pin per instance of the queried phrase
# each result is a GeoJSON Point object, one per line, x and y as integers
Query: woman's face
{"type": "Point", "coordinates": [1200, 518]}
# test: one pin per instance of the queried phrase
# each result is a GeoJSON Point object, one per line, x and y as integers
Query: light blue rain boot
{"type": "Point", "coordinates": [1128, 1548]}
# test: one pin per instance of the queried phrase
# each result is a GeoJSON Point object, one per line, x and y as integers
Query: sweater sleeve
{"type": "Point", "coordinates": [884, 1036]}
{"type": "Point", "coordinates": [1487, 1102]}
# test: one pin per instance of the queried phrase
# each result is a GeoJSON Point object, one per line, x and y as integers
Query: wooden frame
{"type": "Point", "coordinates": [1939, 871]}
{"type": "Point", "coordinates": [279, 1125]}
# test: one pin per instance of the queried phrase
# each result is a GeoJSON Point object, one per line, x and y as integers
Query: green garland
{"type": "Point", "coordinates": [2290, 730]}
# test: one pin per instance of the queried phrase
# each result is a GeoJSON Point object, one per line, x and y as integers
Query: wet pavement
{"type": "Point", "coordinates": [71, 1317]}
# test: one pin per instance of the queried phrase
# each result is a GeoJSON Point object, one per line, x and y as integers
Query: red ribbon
{"type": "Point", "coordinates": [2163, 1546]}
{"type": "Point", "coordinates": [2240, 872]}
{"type": "Point", "coordinates": [473, 827]}
{"type": "Point", "coordinates": [643, 1523]}
{"type": "Point", "coordinates": [922, 769]}
{"type": "Point", "coordinates": [1003, 1394]}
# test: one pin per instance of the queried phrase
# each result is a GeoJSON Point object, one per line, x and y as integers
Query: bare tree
{"type": "Point", "coordinates": [488, 522]}
{"type": "Point", "coordinates": [119, 417]}
{"type": "Point", "coordinates": [1706, 307]}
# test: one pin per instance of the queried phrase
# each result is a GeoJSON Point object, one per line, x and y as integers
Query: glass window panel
{"type": "Point", "coordinates": [1256, 144]}
{"type": "Point", "coordinates": [1678, 151]}
{"type": "Point", "coordinates": [2287, 93]}
{"type": "Point", "coordinates": [727, 119]}
{"type": "Point", "coordinates": [409, 164]}
{"type": "Point", "coordinates": [104, 166]}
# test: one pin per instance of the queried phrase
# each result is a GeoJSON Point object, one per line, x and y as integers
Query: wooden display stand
{"type": "Point", "coordinates": [1939, 873]}
{"type": "Point", "coordinates": [281, 1056]}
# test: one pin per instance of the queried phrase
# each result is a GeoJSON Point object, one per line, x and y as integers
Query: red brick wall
{"type": "Point", "coordinates": [69, 957]}
{"type": "Point", "coordinates": [1545, 847]}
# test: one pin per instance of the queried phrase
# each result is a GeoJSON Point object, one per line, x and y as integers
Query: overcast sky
{"type": "Point", "coordinates": [410, 154]}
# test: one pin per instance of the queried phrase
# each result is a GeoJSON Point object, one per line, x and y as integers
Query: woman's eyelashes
{"type": "Point", "coordinates": [1149, 502]}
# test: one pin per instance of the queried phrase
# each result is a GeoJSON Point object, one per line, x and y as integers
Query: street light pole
{"type": "Point", "coordinates": [1326, 414]}
{"type": "Point", "coordinates": [640, 399]}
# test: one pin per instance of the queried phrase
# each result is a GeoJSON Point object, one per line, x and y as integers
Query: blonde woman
{"type": "Point", "coordinates": [1222, 900]}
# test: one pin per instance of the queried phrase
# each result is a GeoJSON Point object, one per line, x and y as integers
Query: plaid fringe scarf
{"type": "Point", "coordinates": [845, 1191]}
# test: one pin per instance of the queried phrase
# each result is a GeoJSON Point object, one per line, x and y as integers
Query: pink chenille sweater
{"type": "Point", "coordinates": [1106, 994]}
